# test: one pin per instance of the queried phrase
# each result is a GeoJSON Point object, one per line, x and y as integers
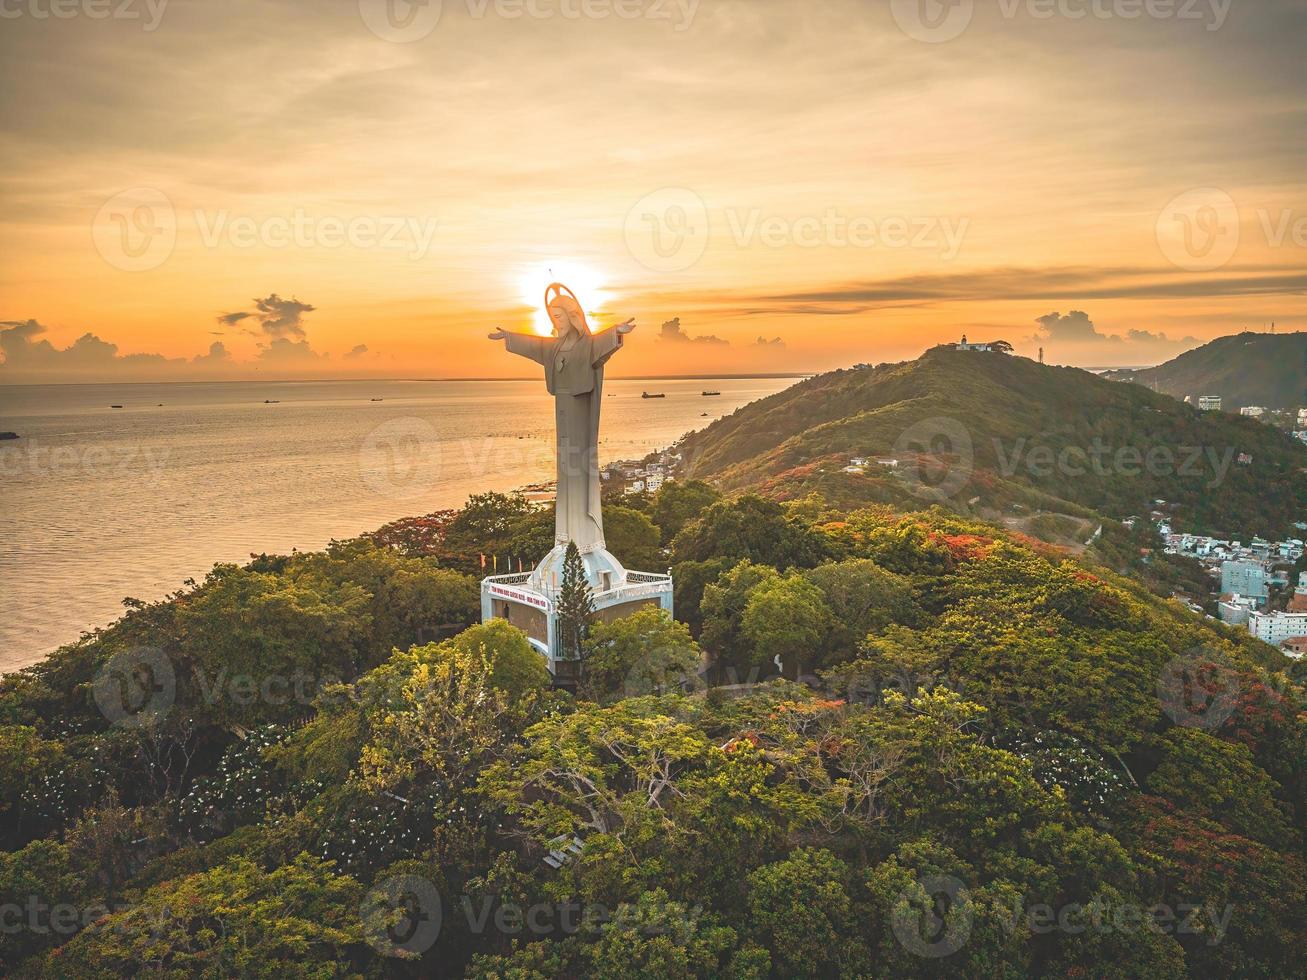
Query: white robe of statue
{"type": "Point", "coordinates": [573, 360]}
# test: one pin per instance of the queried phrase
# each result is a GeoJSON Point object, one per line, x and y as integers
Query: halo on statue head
{"type": "Point", "coordinates": [556, 291]}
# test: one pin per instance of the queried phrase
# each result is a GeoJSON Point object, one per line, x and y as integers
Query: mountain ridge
{"type": "Point", "coordinates": [1245, 369]}
{"type": "Point", "coordinates": [1029, 436]}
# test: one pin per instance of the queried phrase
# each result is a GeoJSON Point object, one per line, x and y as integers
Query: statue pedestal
{"type": "Point", "coordinates": [528, 599]}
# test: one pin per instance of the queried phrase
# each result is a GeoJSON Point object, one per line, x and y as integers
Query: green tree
{"type": "Point", "coordinates": [643, 653]}
{"type": "Point", "coordinates": [299, 920]}
{"type": "Point", "coordinates": [689, 579]}
{"type": "Point", "coordinates": [800, 910]}
{"type": "Point", "coordinates": [575, 605]}
{"type": "Point", "coordinates": [678, 503]}
{"type": "Point", "coordinates": [516, 667]}
{"type": "Point", "coordinates": [752, 528]}
{"type": "Point", "coordinates": [485, 526]}
{"type": "Point", "coordinates": [786, 618]}
{"type": "Point", "coordinates": [723, 607]}
{"type": "Point", "coordinates": [633, 539]}
{"type": "Point", "coordinates": [863, 598]}
{"type": "Point", "coordinates": [1220, 781]}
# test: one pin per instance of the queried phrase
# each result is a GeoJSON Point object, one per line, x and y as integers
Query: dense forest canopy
{"type": "Point", "coordinates": [872, 744]}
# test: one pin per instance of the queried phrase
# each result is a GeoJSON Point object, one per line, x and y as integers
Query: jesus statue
{"type": "Point", "coordinates": [573, 360]}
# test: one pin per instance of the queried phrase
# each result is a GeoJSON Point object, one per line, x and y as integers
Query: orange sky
{"type": "Point", "coordinates": [322, 190]}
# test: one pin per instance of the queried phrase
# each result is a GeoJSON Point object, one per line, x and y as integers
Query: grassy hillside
{"type": "Point", "coordinates": [998, 435]}
{"type": "Point", "coordinates": [1247, 369]}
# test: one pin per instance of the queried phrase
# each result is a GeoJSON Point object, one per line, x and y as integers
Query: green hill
{"type": "Point", "coordinates": [1247, 369]}
{"type": "Point", "coordinates": [1000, 436]}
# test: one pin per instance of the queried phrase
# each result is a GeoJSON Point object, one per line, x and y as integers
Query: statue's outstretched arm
{"type": "Point", "coordinates": [605, 345]}
{"type": "Point", "coordinates": [527, 345]}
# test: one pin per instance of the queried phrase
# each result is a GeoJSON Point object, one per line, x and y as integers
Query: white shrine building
{"type": "Point", "coordinates": [528, 599]}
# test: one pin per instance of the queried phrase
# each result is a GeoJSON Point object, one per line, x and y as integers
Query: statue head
{"type": "Point", "coordinates": [564, 309]}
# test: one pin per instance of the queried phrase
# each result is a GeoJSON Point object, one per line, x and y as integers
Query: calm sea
{"type": "Point", "coordinates": [102, 503]}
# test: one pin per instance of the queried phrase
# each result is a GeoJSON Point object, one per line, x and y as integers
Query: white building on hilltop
{"type": "Point", "coordinates": [1209, 403]}
{"type": "Point", "coordinates": [965, 346]}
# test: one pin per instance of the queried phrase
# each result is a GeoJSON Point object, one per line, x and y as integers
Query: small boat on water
{"type": "Point", "coordinates": [115, 406]}
{"type": "Point", "coordinates": [8, 435]}
{"type": "Point", "coordinates": [711, 394]}
{"type": "Point", "coordinates": [271, 401]}
{"type": "Point", "coordinates": [645, 394]}
{"type": "Point", "coordinates": [378, 399]}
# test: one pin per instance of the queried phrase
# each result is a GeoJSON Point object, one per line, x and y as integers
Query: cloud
{"type": "Point", "coordinates": [281, 323]}
{"type": "Point", "coordinates": [672, 332]}
{"type": "Point", "coordinates": [1077, 328]}
{"type": "Point", "coordinates": [218, 354]}
{"type": "Point", "coordinates": [1025, 284]}
{"type": "Point", "coordinates": [28, 356]}
{"type": "Point", "coordinates": [775, 343]}
{"type": "Point", "coordinates": [25, 353]}
{"type": "Point", "coordinates": [282, 317]}
{"type": "Point", "coordinates": [279, 318]}
{"type": "Point", "coordinates": [291, 353]}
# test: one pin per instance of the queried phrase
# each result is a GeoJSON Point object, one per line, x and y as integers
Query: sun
{"type": "Point", "coordinates": [587, 282]}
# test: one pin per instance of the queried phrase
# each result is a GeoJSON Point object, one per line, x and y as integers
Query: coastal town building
{"type": "Point", "coordinates": [1209, 403]}
{"type": "Point", "coordinates": [1252, 411]}
{"type": "Point", "coordinates": [1275, 628]}
{"type": "Point", "coordinates": [1236, 609]}
{"type": "Point", "coordinates": [1295, 647]}
{"type": "Point", "coordinates": [1245, 578]}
